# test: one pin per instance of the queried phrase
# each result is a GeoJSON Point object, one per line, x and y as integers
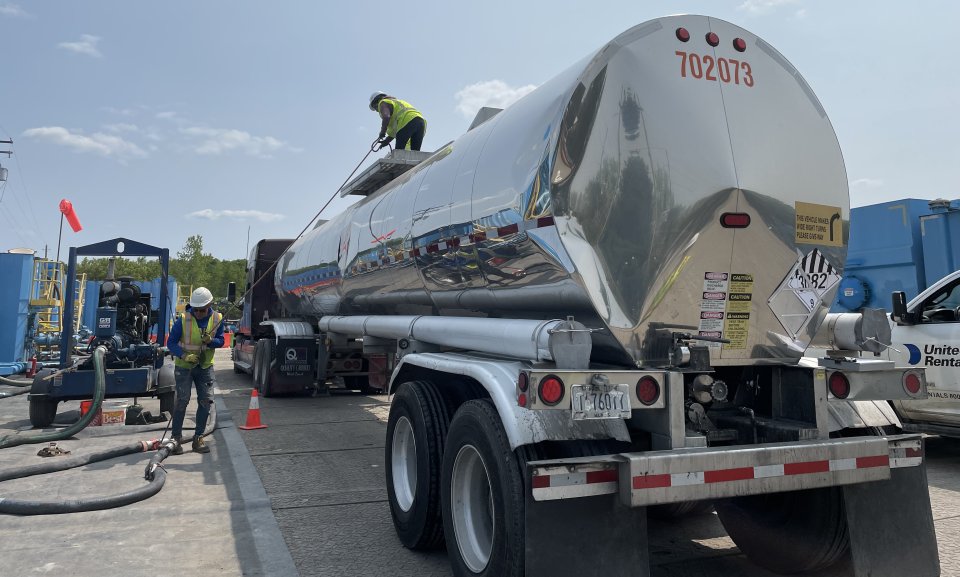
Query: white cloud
{"type": "Point", "coordinates": [87, 45]}
{"type": "Point", "coordinates": [495, 93]}
{"type": "Point", "coordinates": [121, 127]}
{"type": "Point", "coordinates": [167, 114]}
{"type": "Point", "coordinates": [211, 214]}
{"type": "Point", "coordinates": [97, 143]}
{"type": "Point", "coordinates": [14, 10]}
{"type": "Point", "coordinates": [764, 6]}
{"type": "Point", "coordinates": [220, 140]}
{"type": "Point", "coordinates": [866, 183]}
{"type": "Point", "coordinates": [120, 111]}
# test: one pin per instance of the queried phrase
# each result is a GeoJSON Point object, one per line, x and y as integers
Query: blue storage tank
{"type": "Point", "coordinates": [940, 235]}
{"type": "Point", "coordinates": [16, 275]}
{"type": "Point", "coordinates": [885, 254]}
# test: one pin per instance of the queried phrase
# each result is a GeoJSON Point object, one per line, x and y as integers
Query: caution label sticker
{"type": "Point", "coordinates": [736, 326]}
{"type": "Point", "coordinates": [819, 224]}
{"type": "Point", "coordinates": [725, 308]}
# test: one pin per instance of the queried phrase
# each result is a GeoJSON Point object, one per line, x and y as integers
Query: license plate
{"type": "Point", "coordinates": [600, 402]}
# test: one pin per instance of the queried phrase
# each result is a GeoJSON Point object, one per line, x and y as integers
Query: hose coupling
{"type": "Point", "coordinates": [150, 471]}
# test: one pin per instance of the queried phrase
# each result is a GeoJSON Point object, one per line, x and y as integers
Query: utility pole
{"type": "Point", "coordinates": [3, 171]}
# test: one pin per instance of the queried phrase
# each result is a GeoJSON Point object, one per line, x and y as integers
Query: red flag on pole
{"type": "Point", "coordinates": [66, 207]}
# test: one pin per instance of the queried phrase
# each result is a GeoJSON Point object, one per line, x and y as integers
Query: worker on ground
{"type": "Point", "coordinates": [400, 120]}
{"type": "Point", "coordinates": [195, 334]}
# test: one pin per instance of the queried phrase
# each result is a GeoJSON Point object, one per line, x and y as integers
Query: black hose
{"type": "Point", "coordinates": [15, 507]}
{"type": "Point", "coordinates": [154, 474]}
{"type": "Point", "coordinates": [62, 464]}
{"type": "Point", "coordinates": [99, 390]}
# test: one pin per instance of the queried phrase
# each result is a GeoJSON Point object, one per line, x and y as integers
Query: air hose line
{"type": "Point", "coordinates": [99, 390]}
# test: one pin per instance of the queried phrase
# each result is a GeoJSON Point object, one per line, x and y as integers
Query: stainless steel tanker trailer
{"type": "Point", "coordinates": [597, 302]}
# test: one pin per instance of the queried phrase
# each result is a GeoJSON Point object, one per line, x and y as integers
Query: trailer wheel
{"type": "Point", "coordinates": [795, 532]}
{"type": "Point", "coordinates": [361, 384]}
{"type": "Point", "coordinates": [416, 431]}
{"type": "Point", "coordinates": [266, 358]}
{"type": "Point", "coordinates": [42, 412]}
{"type": "Point", "coordinates": [482, 495]}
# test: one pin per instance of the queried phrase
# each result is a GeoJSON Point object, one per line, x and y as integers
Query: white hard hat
{"type": "Point", "coordinates": [201, 297]}
{"type": "Point", "coordinates": [373, 98]}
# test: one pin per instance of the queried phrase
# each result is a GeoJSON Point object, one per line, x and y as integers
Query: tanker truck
{"type": "Point", "coordinates": [597, 302]}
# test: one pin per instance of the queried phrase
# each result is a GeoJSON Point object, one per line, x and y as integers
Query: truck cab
{"type": "Point", "coordinates": [928, 336]}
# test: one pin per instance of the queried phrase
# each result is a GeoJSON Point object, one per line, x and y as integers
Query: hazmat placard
{"type": "Point", "coordinates": [801, 291]}
{"type": "Point", "coordinates": [819, 224]}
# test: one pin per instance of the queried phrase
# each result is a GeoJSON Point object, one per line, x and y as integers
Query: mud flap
{"type": "Point", "coordinates": [584, 536]}
{"type": "Point", "coordinates": [891, 526]}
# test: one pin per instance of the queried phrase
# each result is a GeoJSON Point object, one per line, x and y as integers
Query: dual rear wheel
{"type": "Point", "coordinates": [455, 478]}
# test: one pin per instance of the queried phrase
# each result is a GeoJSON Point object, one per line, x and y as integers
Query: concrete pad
{"type": "Point", "coordinates": [211, 518]}
{"type": "Point", "coordinates": [354, 540]}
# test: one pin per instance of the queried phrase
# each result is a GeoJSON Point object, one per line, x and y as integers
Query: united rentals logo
{"type": "Point", "coordinates": [934, 355]}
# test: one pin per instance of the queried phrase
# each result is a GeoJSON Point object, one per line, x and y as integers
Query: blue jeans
{"type": "Point", "coordinates": [186, 378]}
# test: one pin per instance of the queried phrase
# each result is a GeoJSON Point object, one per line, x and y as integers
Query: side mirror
{"type": "Point", "coordinates": [900, 314]}
{"type": "Point", "coordinates": [232, 291]}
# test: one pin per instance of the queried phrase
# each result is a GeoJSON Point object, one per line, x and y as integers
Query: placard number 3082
{"type": "Point", "coordinates": [709, 68]}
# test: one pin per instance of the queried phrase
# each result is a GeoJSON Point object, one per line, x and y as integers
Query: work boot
{"type": "Point", "coordinates": [178, 448]}
{"type": "Point", "coordinates": [199, 446]}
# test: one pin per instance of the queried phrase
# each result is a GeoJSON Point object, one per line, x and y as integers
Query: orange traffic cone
{"type": "Point", "coordinates": [253, 413]}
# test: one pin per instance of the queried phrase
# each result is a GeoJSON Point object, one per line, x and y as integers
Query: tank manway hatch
{"type": "Point", "coordinates": [383, 171]}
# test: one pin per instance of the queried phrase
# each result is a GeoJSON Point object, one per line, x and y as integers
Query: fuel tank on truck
{"type": "Point", "coordinates": [682, 179]}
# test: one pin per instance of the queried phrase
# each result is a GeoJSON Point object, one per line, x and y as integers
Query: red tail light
{"type": "Point", "coordinates": [683, 35]}
{"type": "Point", "coordinates": [522, 400]}
{"type": "Point", "coordinates": [734, 220]}
{"type": "Point", "coordinates": [912, 383]}
{"type": "Point", "coordinates": [739, 44]}
{"type": "Point", "coordinates": [551, 390]}
{"type": "Point", "coordinates": [839, 385]}
{"type": "Point", "coordinates": [712, 39]}
{"type": "Point", "coordinates": [648, 390]}
{"type": "Point", "coordinates": [523, 382]}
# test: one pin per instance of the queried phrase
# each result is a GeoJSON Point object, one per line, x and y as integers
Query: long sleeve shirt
{"type": "Point", "coordinates": [176, 333]}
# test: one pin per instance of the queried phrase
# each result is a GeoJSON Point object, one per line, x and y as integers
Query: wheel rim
{"type": "Point", "coordinates": [404, 463]}
{"type": "Point", "coordinates": [472, 508]}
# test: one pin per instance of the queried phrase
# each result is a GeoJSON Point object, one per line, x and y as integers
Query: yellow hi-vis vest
{"type": "Point", "coordinates": [403, 112]}
{"type": "Point", "coordinates": [191, 339]}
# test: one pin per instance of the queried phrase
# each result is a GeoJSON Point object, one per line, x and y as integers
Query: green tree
{"type": "Point", "coordinates": [193, 267]}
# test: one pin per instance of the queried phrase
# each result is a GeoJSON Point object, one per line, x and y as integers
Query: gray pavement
{"type": "Point", "coordinates": [305, 496]}
{"type": "Point", "coordinates": [211, 518]}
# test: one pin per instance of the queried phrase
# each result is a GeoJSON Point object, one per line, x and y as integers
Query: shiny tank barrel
{"type": "Point", "coordinates": [683, 180]}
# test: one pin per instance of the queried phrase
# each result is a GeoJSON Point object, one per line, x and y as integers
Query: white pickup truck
{"type": "Point", "coordinates": [926, 333]}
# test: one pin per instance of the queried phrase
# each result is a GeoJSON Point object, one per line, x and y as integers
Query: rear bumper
{"type": "Point", "coordinates": [660, 477]}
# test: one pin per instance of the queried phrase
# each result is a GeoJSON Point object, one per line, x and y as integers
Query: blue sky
{"type": "Point", "coordinates": [163, 120]}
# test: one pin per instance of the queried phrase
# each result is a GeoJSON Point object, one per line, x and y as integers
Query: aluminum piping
{"type": "Point", "coordinates": [512, 338]}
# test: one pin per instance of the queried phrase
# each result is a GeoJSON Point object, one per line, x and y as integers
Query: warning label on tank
{"type": "Point", "coordinates": [736, 326]}
{"type": "Point", "coordinates": [819, 224]}
{"type": "Point", "coordinates": [725, 294]}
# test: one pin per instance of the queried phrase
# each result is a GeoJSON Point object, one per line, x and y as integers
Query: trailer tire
{"type": "Point", "coordinates": [794, 532]}
{"type": "Point", "coordinates": [266, 359]}
{"type": "Point", "coordinates": [483, 509]}
{"type": "Point", "coordinates": [255, 365]}
{"type": "Point", "coordinates": [419, 420]}
{"type": "Point", "coordinates": [42, 412]}
{"type": "Point", "coordinates": [360, 383]}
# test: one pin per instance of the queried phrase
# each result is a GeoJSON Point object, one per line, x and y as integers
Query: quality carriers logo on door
{"type": "Point", "coordinates": [934, 355]}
